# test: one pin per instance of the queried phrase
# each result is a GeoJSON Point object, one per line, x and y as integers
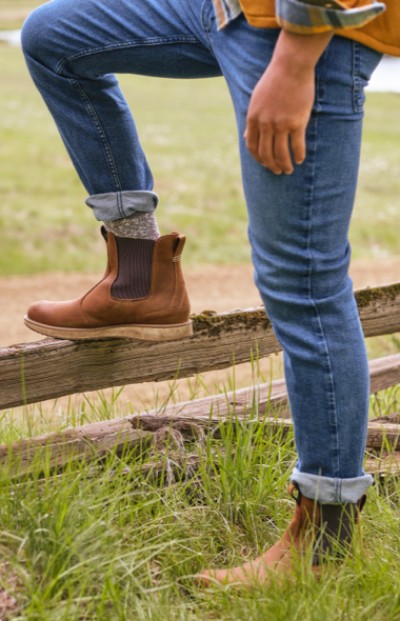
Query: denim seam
{"type": "Point", "coordinates": [120, 205]}
{"type": "Point", "coordinates": [357, 87]}
{"type": "Point", "coordinates": [103, 137]}
{"type": "Point", "coordinates": [118, 46]}
{"type": "Point", "coordinates": [331, 401]}
{"type": "Point", "coordinates": [332, 392]}
{"type": "Point", "coordinates": [319, 84]}
{"type": "Point", "coordinates": [207, 18]}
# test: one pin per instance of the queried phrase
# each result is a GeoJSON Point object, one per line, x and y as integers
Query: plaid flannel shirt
{"type": "Point", "coordinates": [226, 10]}
{"type": "Point", "coordinates": [309, 16]}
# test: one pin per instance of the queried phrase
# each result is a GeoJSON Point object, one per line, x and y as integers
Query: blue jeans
{"type": "Point", "coordinates": [298, 224]}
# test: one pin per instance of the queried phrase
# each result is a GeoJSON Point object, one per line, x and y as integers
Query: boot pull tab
{"type": "Point", "coordinates": [362, 502]}
{"type": "Point", "coordinates": [104, 232]}
{"type": "Point", "coordinates": [295, 493]}
{"type": "Point", "coordinates": [178, 247]}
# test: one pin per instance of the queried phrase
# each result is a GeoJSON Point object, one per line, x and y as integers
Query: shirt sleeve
{"type": "Point", "coordinates": [317, 16]}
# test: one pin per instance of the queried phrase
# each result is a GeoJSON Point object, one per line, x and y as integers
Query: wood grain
{"type": "Point", "coordinates": [48, 369]}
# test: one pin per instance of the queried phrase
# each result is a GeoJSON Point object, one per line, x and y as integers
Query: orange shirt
{"type": "Point", "coordinates": [381, 34]}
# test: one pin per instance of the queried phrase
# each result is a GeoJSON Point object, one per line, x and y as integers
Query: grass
{"type": "Point", "coordinates": [102, 542]}
{"type": "Point", "coordinates": [377, 207]}
{"type": "Point", "coordinates": [13, 12]}
{"type": "Point", "coordinates": [385, 402]}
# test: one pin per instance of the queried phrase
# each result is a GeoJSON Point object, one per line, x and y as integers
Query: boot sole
{"type": "Point", "coordinates": [140, 332]}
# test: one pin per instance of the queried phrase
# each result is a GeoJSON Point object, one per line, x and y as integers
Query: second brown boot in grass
{"type": "Point", "coordinates": [317, 533]}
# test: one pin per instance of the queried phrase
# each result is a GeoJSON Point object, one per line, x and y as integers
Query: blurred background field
{"type": "Point", "coordinates": [188, 131]}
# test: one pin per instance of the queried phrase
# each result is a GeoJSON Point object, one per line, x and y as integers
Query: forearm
{"type": "Point", "coordinates": [295, 52]}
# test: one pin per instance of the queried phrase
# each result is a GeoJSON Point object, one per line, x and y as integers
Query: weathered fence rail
{"type": "Point", "coordinates": [51, 368]}
{"type": "Point", "coordinates": [96, 440]}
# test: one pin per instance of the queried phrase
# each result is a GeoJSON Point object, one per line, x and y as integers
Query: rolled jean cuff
{"type": "Point", "coordinates": [331, 491]}
{"type": "Point", "coordinates": [119, 205]}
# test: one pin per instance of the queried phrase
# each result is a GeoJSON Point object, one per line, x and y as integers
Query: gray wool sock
{"type": "Point", "coordinates": [141, 225]}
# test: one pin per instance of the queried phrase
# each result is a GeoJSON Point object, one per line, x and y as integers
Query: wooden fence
{"type": "Point", "coordinates": [51, 368]}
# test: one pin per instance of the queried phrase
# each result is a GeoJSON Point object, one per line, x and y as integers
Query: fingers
{"type": "Point", "coordinates": [298, 144]}
{"type": "Point", "coordinates": [261, 146]}
{"type": "Point", "coordinates": [277, 150]}
{"type": "Point", "coordinates": [281, 152]}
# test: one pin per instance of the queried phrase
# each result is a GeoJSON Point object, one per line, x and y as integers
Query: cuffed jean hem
{"type": "Point", "coordinates": [119, 205]}
{"type": "Point", "coordinates": [331, 491]}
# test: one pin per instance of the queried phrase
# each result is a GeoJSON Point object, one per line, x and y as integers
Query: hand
{"type": "Point", "coordinates": [281, 103]}
{"type": "Point", "coordinates": [277, 118]}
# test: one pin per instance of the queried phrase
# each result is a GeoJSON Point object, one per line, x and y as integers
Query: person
{"type": "Point", "coordinates": [296, 76]}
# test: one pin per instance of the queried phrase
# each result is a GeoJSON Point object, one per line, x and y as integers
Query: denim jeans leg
{"type": "Point", "coordinates": [73, 50]}
{"type": "Point", "coordinates": [298, 228]}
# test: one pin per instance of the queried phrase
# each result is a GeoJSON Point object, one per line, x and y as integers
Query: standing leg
{"type": "Point", "coordinates": [298, 229]}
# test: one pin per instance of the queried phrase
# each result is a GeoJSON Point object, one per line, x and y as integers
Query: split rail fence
{"type": "Point", "coordinates": [48, 369]}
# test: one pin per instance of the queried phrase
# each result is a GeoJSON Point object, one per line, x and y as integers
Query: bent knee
{"type": "Point", "coordinates": [38, 35]}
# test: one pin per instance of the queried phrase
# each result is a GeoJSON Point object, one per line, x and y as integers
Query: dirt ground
{"type": "Point", "coordinates": [218, 288]}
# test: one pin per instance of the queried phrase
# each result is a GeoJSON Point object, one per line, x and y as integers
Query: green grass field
{"type": "Point", "coordinates": [13, 12]}
{"type": "Point", "coordinates": [104, 542]}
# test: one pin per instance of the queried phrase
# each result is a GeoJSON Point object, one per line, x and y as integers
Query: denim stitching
{"type": "Point", "coordinates": [319, 84]}
{"type": "Point", "coordinates": [357, 87]}
{"type": "Point", "coordinates": [309, 199]}
{"type": "Point", "coordinates": [94, 116]}
{"type": "Point", "coordinates": [120, 205]}
{"type": "Point", "coordinates": [207, 18]}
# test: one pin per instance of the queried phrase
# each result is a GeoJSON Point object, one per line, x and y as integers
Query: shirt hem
{"type": "Point", "coordinates": [356, 35]}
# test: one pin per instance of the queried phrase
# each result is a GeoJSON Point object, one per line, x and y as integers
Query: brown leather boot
{"type": "Point", "coordinates": [142, 296]}
{"type": "Point", "coordinates": [317, 532]}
